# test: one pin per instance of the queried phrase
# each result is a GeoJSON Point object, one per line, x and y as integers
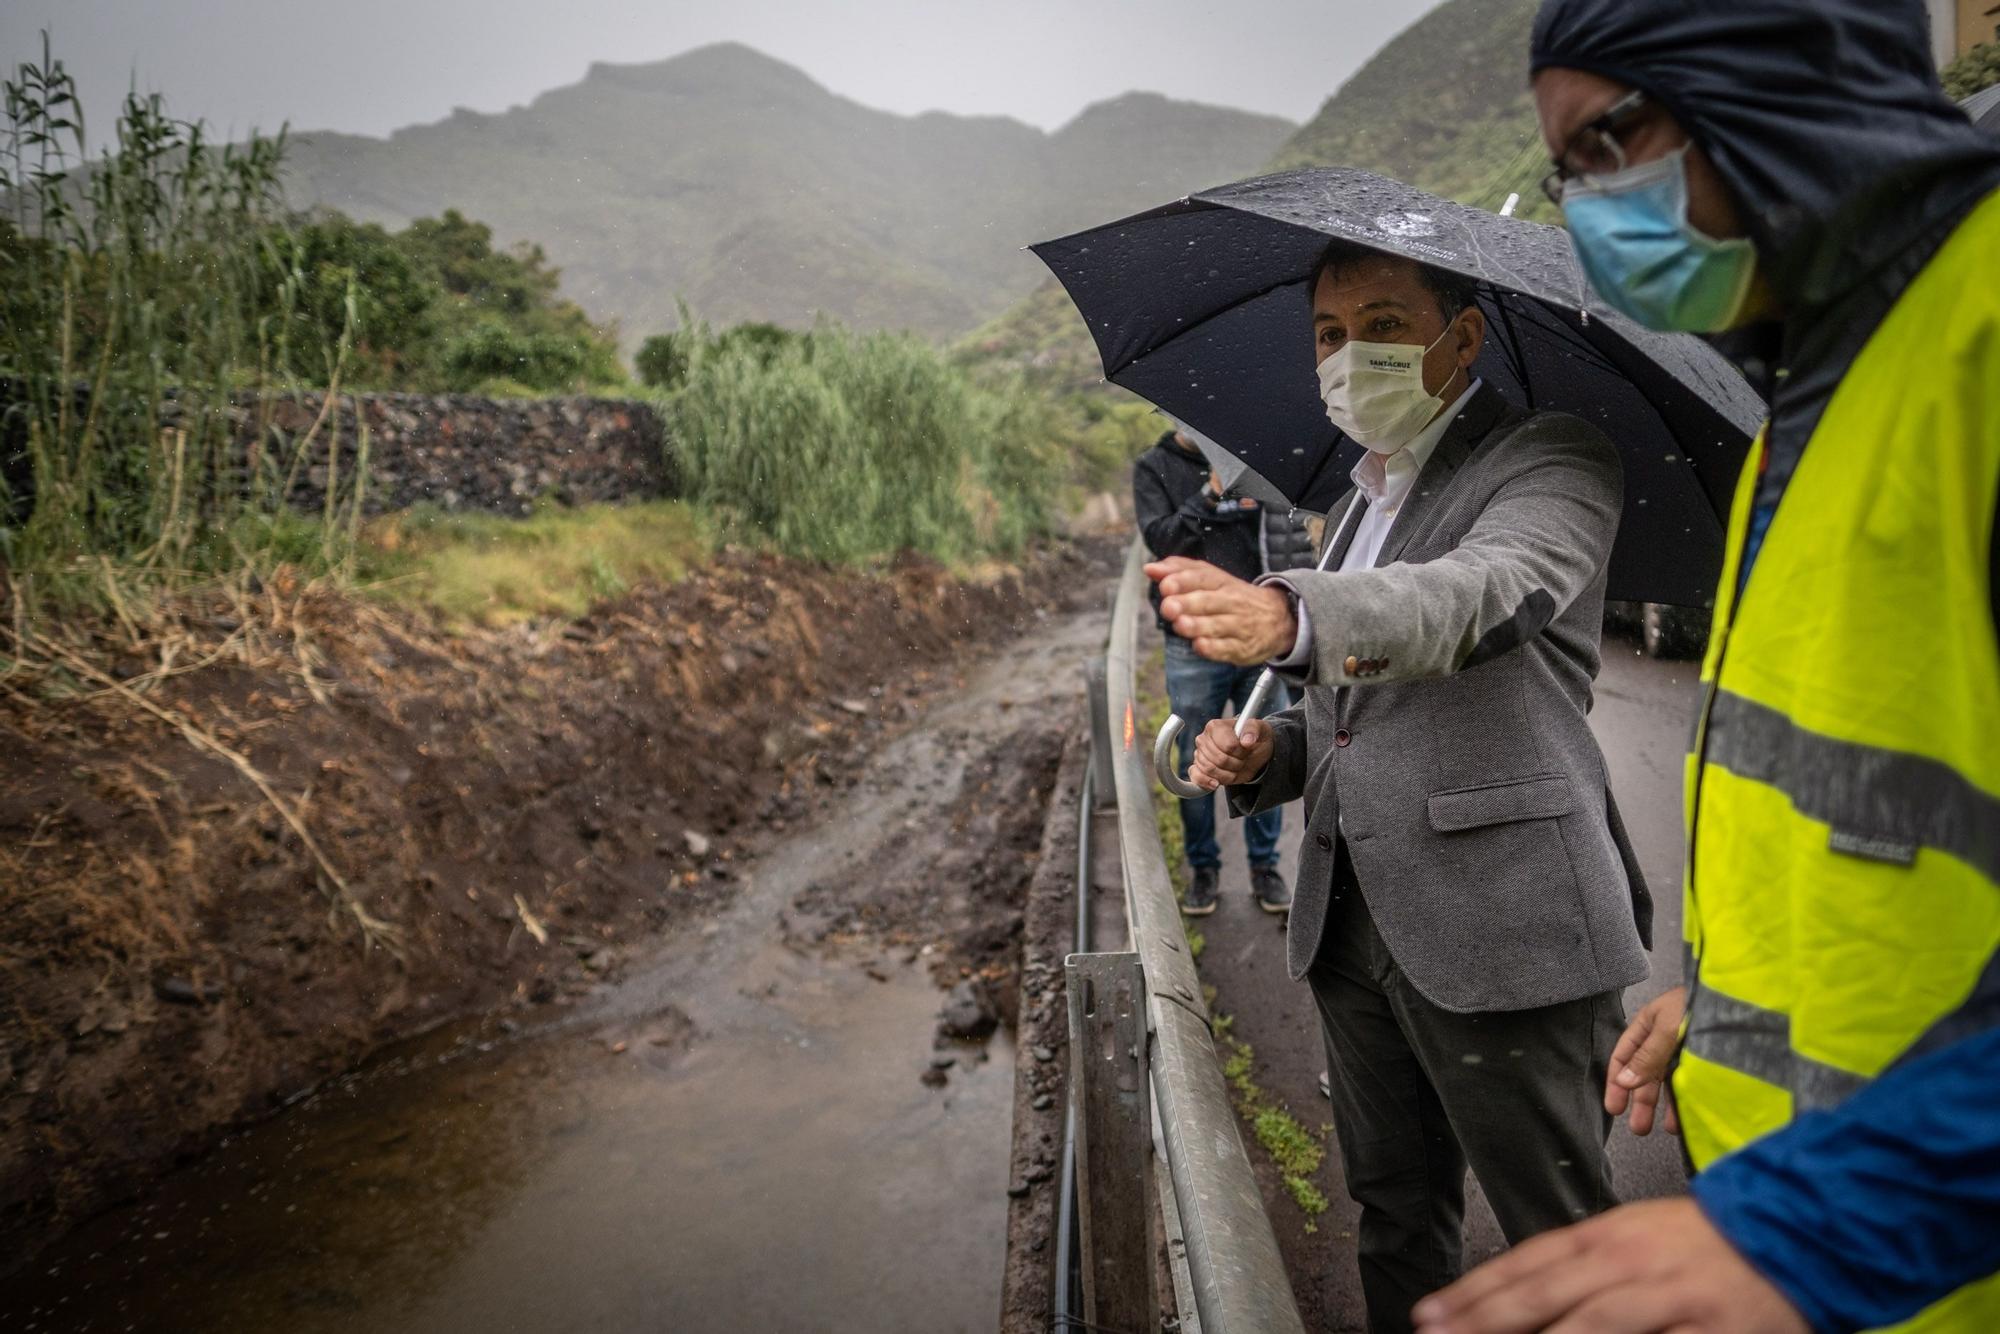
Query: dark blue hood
{"type": "Point", "coordinates": [1824, 117]}
{"type": "Point", "coordinates": [1851, 167]}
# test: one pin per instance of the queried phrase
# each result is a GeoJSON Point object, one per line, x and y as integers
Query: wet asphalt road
{"type": "Point", "coordinates": [1642, 717]}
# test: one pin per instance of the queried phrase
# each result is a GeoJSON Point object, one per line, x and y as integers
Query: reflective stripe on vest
{"type": "Point", "coordinates": [1878, 803]}
{"type": "Point", "coordinates": [1842, 898]}
{"type": "Point", "coordinates": [1757, 1042]}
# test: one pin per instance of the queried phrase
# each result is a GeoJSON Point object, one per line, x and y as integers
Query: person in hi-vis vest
{"type": "Point", "coordinates": [1787, 176]}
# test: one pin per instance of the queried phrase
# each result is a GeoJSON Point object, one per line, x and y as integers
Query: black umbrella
{"type": "Point", "coordinates": [1201, 307]}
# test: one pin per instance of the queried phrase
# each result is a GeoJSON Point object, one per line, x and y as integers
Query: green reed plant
{"type": "Point", "coordinates": [139, 292]}
{"type": "Point", "coordinates": [846, 446]}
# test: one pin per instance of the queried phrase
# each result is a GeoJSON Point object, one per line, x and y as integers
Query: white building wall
{"type": "Point", "coordinates": [1944, 30]}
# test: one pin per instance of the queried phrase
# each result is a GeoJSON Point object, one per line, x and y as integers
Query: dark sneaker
{"type": "Point", "coordinates": [1200, 898]}
{"type": "Point", "coordinates": [1326, 1085]}
{"type": "Point", "coordinates": [1269, 889]}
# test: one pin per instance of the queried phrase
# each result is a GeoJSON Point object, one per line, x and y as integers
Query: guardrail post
{"type": "Point", "coordinates": [1111, 1094]}
{"type": "Point", "coordinates": [1105, 792]}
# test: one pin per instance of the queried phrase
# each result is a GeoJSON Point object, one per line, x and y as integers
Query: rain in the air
{"type": "Point", "coordinates": [1067, 669]}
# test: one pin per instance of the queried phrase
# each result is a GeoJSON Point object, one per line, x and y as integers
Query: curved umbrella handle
{"type": "Point", "coordinates": [1163, 762]}
{"type": "Point", "coordinates": [1170, 731]}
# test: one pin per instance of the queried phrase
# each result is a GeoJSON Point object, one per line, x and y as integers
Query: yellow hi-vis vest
{"type": "Point", "coordinates": [1843, 794]}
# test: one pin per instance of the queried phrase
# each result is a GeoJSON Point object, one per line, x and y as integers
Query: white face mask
{"type": "Point", "coordinates": [1375, 392]}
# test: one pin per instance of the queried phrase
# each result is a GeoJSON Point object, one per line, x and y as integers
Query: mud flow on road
{"type": "Point", "coordinates": [755, 1127]}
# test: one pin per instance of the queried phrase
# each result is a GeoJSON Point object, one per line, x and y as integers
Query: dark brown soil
{"type": "Point", "coordinates": [520, 806]}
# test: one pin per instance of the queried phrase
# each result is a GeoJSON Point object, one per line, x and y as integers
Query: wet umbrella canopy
{"type": "Point", "coordinates": [1202, 308]}
{"type": "Point", "coordinates": [1983, 109]}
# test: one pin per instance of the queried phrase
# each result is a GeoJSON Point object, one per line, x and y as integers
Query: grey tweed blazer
{"type": "Point", "coordinates": [1443, 733]}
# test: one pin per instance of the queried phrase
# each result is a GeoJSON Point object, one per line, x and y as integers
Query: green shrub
{"type": "Point", "coordinates": [845, 446]}
{"type": "Point", "coordinates": [1977, 69]}
{"type": "Point", "coordinates": [396, 318]}
{"type": "Point", "coordinates": [491, 350]}
{"type": "Point", "coordinates": [436, 307]}
{"type": "Point", "coordinates": [143, 289]}
{"type": "Point", "coordinates": [662, 360]}
{"type": "Point", "coordinates": [660, 363]}
{"type": "Point", "coordinates": [140, 290]}
{"type": "Point", "coordinates": [761, 338]}
{"type": "Point", "coordinates": [1107, 435]}
{"type": "Point", "coordinates": [458, 252]}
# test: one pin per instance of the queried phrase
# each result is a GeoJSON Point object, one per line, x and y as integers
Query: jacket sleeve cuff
{"type": "Point", "coordinates": [1365, 632]}
{"type": "Point", "coordinates": [1727, 1198]}
{"type": "Point", "coordinates": [1296, 664]}
{"type": "Point", "coordinates": [1299, 660]}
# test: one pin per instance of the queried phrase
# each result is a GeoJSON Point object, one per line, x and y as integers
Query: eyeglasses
{"type": "Point", "coordinates": [1594, 148]}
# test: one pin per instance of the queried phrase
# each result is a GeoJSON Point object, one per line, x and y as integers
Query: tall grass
{"type": "Point", "coordinates": [844, 446]}
{"type": "Point", "coordinates": [483, 569]}
{"type": "Point", "coordinates": [138, 292]}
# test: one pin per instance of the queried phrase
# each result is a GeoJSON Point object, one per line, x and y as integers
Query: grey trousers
{"type": "Point", "coordinates": [1420, 1093]}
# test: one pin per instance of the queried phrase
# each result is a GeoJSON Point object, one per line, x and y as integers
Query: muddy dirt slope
{"type": "Point", "coordinates": [520, 810]}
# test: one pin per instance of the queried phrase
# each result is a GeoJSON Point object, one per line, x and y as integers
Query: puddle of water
{"type": "Point", "coordinates": [782, 1169]}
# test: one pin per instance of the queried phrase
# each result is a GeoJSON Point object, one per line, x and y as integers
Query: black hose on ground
{"type": "Point", "coordinates": [1065, 1312]}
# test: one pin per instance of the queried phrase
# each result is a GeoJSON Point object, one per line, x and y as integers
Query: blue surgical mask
{"type": "Point", "coordinates": [1632, 236]}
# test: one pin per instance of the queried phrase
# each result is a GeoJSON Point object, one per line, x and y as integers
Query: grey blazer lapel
{"type": "Point", "coordinates": [1472, 425]}
{"type": "Point", "coordinates": [1345, 516]}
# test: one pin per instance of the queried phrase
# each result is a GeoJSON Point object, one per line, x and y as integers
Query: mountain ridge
{"type": "Point", "coordinates": [740, 183]}
{"type": "Point", "coordinates": [1444, 105]}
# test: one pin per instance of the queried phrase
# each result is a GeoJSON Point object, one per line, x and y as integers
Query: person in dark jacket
{"type": "Point", "coordinates": [1787, 176]}
{"type": "Point", "coordinates": [1182, 511]}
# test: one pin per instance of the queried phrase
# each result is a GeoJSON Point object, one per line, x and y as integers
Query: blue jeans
{"type": "Point", "coordinates": [1199, 690]}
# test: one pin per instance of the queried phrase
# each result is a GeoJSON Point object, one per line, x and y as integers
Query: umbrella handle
{"type": "Point", "coordinates": [1163, 762]}
{"type": "Point", "coordinates": [1163, 745]}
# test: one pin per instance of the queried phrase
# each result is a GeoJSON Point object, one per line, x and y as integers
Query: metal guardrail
{"type": "Point", "coordinates": [1231, 1263]}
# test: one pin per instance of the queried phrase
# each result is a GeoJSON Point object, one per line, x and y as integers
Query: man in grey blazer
{"type": "Point", "coordinates": [1468, 909]}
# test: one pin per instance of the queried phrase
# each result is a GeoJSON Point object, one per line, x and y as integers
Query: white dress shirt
{"type": "Point", "coordinates": [1385, 482]}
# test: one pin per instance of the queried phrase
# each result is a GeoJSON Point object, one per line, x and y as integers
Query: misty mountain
{"type": "Point", "coordinates": [1444, 106]}
{"type": "Point", "coordinates": [737, 182]}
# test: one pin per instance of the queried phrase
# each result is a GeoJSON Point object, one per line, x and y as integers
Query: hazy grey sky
{"type": "Point", "coordinates": [369, 66]}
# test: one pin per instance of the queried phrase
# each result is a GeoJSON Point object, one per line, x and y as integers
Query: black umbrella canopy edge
{"type": "Point", "coordinates": [1539, 284]}
{"type": "Point", "coordinates": [1251, 196]}
{"type": "Point", "coordinates": [1404, 227]}
{"type": "Point", "coordinates": [1983, 109]}
{"type": "Point", "coordinates": [1410, 217]}
{"type": "Point", "coordinates": [1111, 359]}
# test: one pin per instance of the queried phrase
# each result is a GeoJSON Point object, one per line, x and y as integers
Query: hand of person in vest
{"type": "Point", "coordinates": [1657, 1265]}
{"type": "Point", "coordinates": [1227, 619]}
{"type": "Point", "coordinates": [1652, 1266]}
{"type": "Point", "coordinates": [1637, 1077]}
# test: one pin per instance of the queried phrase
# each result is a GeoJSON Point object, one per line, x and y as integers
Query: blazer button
{"type": "Point", "coordinates": [1352, 665]}
{"type": "Point", "coordinates": [1325, 843]}
{"type": "Point", "coordinates": [1342, 737]}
